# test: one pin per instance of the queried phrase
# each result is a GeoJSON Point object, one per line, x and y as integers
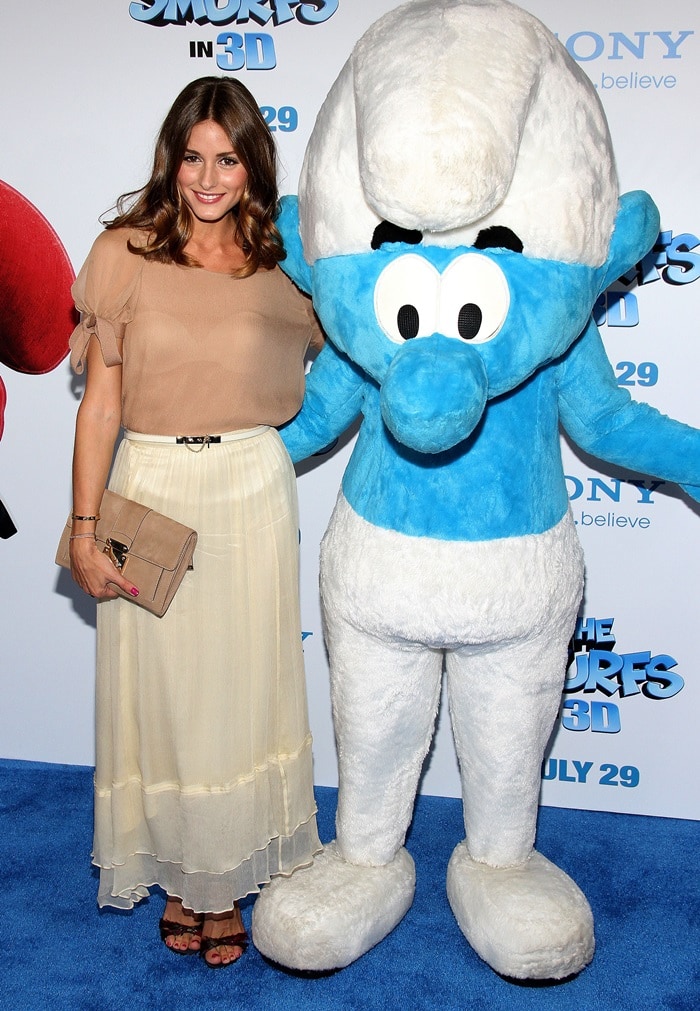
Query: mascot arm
{"type": "Point", "coordinates": [333, 399]}
{"type": "Point", "coordinates": [294, 264]}
{"type": "Point", "coordinates": [603, 419]}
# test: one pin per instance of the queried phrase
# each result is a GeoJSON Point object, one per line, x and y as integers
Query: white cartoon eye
{"type": "Point", "coordinates": [474, 299]}
{"type": "Point", "coordinates": [406, 298]}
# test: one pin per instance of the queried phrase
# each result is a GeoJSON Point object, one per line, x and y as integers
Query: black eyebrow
{"type": "Point", "coordinates": [388, 232]}
{"type": "Point", "coordinates": [498, 237]}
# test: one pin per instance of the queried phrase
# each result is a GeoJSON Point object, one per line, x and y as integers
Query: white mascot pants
{"type": "Point", "coordinates": [499, 615]}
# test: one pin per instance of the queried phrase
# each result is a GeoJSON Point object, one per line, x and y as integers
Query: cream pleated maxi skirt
{"type": "Point", "coordinates": [203, 779]}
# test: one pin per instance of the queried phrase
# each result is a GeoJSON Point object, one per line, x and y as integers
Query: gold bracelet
{"type": "Point", "coordinates": [74, 516]}
{"type": "Point", "coordinates": [75, 537]}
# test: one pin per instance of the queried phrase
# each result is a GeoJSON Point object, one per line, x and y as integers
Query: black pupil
{"type": "Point", "coordinates": [408, 321]}
{"type": "Point", "coordinates": [469, 321]}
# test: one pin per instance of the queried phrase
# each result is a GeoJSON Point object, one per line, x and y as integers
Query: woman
{"type": "Point", "coordinates": [194, 342]}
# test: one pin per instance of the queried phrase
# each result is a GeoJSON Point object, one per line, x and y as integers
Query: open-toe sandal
{"type": "Point", "coordinates": [239, 940]}
{"type": "Point", "coordinates": [171, 928]}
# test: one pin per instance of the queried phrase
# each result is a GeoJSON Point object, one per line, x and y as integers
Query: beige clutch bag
{"type": "Point", "coordinates": [152, 550]}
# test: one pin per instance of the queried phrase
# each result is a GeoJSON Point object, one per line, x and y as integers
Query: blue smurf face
{"type": "Point", "coordinates": [442, 331]}
{"type": "Point", "coordinates": [514, 313]}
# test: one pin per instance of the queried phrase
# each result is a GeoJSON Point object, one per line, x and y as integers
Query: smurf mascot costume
{"type": "Point", "coordinates": [457, 219]}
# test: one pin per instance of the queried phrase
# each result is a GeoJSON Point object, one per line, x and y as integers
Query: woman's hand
{"type": "Point", "coordinates": [93, 571]}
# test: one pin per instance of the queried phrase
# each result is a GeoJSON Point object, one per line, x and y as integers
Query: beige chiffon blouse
{"type": "Point", "coordinates": [203, 353]}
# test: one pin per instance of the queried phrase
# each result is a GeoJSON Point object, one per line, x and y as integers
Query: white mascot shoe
{"type": "Point", "coordinates": [327, 915]}
{"type": "Point", "coordinates": [527, 922]}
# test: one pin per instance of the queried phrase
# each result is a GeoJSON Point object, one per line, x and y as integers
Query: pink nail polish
{"type": "Point", "coordinates": [134, 592]}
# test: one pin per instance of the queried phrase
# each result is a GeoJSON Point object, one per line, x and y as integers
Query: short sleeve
{"type": "Point", "coordinates": [105, 292]}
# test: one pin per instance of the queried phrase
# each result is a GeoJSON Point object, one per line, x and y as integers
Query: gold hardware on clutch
{"type": "Point", "coordinates": [117, 552]}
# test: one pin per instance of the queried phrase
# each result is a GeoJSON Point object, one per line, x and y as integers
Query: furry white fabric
{"type": "Point", "coordinates": [503, 95]}
{"type": "Point", "coordinates": [327, 915]}
{"type": "Point", "coordinates": [505, 654]}
{"type": "Point", "coordinates": [528, 922]}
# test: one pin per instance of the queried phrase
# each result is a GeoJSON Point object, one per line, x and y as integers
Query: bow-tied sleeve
{"type": "Point", "coordinates": [105, 292]}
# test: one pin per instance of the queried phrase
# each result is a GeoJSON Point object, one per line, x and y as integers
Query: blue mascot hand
{"type": "Point", "coordinates": [295, 266]}
{"type": "Point", "coordinates": [333, 399]}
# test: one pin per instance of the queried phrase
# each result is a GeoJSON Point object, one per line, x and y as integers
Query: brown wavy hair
{"type": "Point", "coordinates": [158, 209]}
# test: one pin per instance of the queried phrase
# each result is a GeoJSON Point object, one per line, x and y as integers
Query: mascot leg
{"type": "Point", "coordinates": [521, 913]}
{"type": "Point", "coordinates": [385, 697]}
{"type": "Point", "coordinates": [384, 711]}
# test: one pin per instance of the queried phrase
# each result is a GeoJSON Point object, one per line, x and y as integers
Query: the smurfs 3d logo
{"type": "Point", "coordinates": [597, 668]}
{"type": "Point", "coordinates": [234, 50]}
{"type": "Point", "coordinates": [672, 259]}
{"type": "Point", "coordinates": [226, 12]}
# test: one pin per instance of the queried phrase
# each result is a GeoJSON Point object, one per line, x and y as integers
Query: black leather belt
{"type": "Point", "coordinates": [197, 440]}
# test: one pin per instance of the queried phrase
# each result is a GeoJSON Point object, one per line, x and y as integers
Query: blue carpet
{"type": "Point", "coordinates": [59, 952]}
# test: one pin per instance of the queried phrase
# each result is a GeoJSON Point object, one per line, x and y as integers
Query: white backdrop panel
{"type": "Point", "coordinates": [85, 87]}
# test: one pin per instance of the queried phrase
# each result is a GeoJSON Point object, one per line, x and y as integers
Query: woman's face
{"type": "Point", "coordinates": [211, 179]}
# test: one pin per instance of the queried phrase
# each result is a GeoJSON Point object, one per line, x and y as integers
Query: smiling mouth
{"type": "Point", "coordinates": [208, 198]}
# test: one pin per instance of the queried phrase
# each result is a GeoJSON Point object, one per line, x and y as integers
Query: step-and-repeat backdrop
{"type": "Point", "coordinates": [84, 88]}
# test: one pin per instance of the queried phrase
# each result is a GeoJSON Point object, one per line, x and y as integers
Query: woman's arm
{"type": "Point", "coordinates": [96, 430]}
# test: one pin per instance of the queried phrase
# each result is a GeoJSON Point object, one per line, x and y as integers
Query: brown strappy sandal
{"type": "Point", "coordinates": [239, 940]}
{"type": "Point", "coordinates": [171, 928]}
